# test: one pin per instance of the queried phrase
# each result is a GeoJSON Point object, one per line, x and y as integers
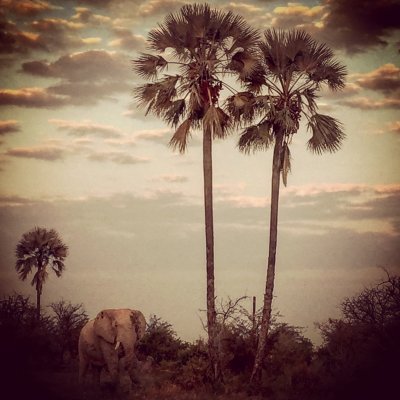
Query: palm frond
{"type": "Point", "coordinates": [174, 113]}
{"type": "Point", "coordinates": [256, 137]}
{"type": "Point", "coordinates": [145, 94]}
{"type": "Point", "coordinates": [216, 121]}
{"type": "Point", "coordinates": [180, 137]}
{"type": "Point", "coordinates": [244, 37]}
{"type": "Point", "coordinates": [327, 134]}
{"type": "Point", "coordinates": [147, 65]}
{"type": "Point", "coordinates": [273, 52]}
{"type": "Point", "coordinates": [310, 95]}
{"type": "Point", "coordinates": [241, 106]}
{"type": "Point", "coordinates": [332, 73]}
{"type": "Point", "coordinates": [157, 96]}
{"type": "Point", "coordinates": [244, 63]}
{"type": "Point", "coordinates": [58, 267]}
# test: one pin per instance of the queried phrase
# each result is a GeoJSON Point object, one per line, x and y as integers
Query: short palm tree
{"type": "Point", "coordinates": [201, 45]}
{"type": "Point", "coordinates": [281, 90]}
{"type": "Point", "coordinates": [38, 249]}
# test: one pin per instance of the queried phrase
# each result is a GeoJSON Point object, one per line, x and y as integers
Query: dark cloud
{"type": "Point", "coordinates": [85, 79]}
{"type": "Point", "coordinates": [13, 40]}
{"type": "Point", "coordinates": [92, 65]}
{"type": "Point", "coordinates": [27, 8]}
{"type": "Point", "coordinates": [9, 126]}
{"type": "Point", "coordinates": [357, 25]}
{"type": "Point", "coordinates": [46, 153]}
{"type": "Point", "coordinates": [47, 35]}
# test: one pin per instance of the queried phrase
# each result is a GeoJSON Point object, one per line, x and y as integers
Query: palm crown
{"type": "Point", "coordinates": [39, 248]}
{"type": "Point", "coordinates": [204, 44]}
{"type": "Point", "coordinates": [282, 88]}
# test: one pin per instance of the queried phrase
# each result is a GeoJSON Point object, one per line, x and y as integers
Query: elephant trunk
{"type": "Point", "coordinates": [126, 350]}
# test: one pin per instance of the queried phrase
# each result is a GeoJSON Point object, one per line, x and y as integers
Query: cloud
{"type": "Point", "coordinates": [9, 126]}
{"type": "Point", "coordinates": [46, 153]}
{"type": "Point", "coordinates": [27, 8]}
{"type": "Point", "coordinates": [81, 94]}
{"type": "Point", "coordinates": [297, 15]}
{"type": "Point", "coordinates": [154, 8]}
{"type": "Point", "coordinates": [87, 16]}
{"type": "Point", "coordinates": [31, 97]}
{"type": "Point", "coordinates": [161, 136]}
{"type": "Point", "coordinates": [50, 35]}
{"type": "Point", "coordinates": [125, 240]}
{"type": "Point", "coordinates": [13, 40]}
{"type": "Point", "coordinates": [322, 209]}
{"type": "Point", "coordinates": [365, 103]}
{"type": "Point", "coordinates": [173, 178]}
{"type": "Point", "coordinates": [87, 66]}
{"type": "Point", "coordinates": [121, 158]}
{"type": "Point", "coordinates": [357, 25]}
{"type": "Point", "coordinates": [127, 40]}
{"type": "Point", "coordinates": [86, 128]}
{"type": "Point", "coordinates": [85, 77]}
{"type": "Point", "coordinates": [384, 79]}
{"type": "Point", "coordinates": [394, 127]}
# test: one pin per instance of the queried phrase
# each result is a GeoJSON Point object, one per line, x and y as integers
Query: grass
{"type": "Point", "coordinates": [63, 385]}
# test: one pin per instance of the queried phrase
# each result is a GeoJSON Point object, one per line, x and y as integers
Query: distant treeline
{"type": "Point", "coordinates": [358, 359]}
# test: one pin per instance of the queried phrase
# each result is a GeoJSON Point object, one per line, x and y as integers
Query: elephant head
{"type": "Point", "coordinates": [121, 327]}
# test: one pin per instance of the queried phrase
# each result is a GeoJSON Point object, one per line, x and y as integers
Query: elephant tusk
{"type": "Point", "coordinates": [117, 345]}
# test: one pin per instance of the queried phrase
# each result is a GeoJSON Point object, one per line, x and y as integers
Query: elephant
{"type": "Point", "coordinates": [107, 344]}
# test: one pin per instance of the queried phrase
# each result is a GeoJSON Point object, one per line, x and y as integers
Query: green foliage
{"type": "Point", "coordinates": [161, 341]}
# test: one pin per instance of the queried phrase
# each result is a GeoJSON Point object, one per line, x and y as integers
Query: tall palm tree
{"type": "Point", "coordinates": [282, 89]}
{"type": "Point", "coordinates": [38, 249]}
{"type": "Point", "coordinates": [200, 45]}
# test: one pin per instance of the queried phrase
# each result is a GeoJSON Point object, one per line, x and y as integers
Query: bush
{"type": "Point", "coordinates": [161, 342]}
{"type": "Point", "coordinates": [360, 353]}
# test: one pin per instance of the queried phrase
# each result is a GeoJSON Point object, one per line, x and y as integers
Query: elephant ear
{"type": "Point", "coordinates": [103, 326]}
{"type": "Point", "coordinates": [139, 323]}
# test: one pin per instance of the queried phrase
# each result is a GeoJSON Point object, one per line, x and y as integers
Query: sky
{"type": "Point", "coordinates": [78, 156]}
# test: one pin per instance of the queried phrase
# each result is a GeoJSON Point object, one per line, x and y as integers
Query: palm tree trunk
{"type": "Point", "coordinates": [269, 285]}
{"type": "Point", "coordinates": [209, 228]}
{"type": "Point", "coordinates": [38, 295]}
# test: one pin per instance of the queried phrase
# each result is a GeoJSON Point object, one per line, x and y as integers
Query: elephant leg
{"type": "Point", "coordinates": [111, 360]}
{"type": "Point", "coordinates": [83, 368]}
